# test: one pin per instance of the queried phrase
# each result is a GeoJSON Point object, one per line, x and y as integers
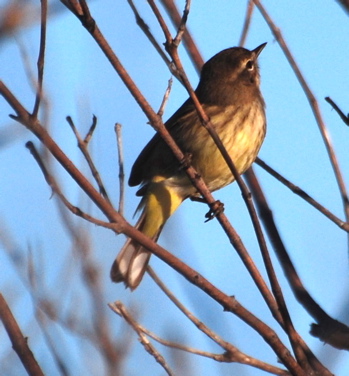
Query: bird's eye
{"type": "Point", "coordinates": [249, 65]}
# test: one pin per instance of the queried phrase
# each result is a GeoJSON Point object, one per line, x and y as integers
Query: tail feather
{"type": "Point", "coordinates": [132, 260]}
{"type": "Point", "coordinates": [158, 204]}
{"type": "Point", "coordinates": [130, 265]}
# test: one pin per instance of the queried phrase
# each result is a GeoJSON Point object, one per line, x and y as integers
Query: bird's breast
{"type": "Point", "coordinates": [242, 130]}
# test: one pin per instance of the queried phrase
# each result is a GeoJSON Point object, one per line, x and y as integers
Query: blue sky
{"type": "Point", "coordinates": [80, 82]}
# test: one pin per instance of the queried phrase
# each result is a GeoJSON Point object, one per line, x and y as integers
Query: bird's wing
{"type": "Point", "coordinates": [156, 158]}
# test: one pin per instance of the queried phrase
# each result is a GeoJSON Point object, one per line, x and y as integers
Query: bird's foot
{"type": "Point", "coordinates": [216, 208]}
{"type": "Point", "coordinates": [186, 161]}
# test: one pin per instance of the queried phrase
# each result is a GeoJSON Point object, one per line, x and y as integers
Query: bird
{"type": "Point", "coordinates": [229, 92]}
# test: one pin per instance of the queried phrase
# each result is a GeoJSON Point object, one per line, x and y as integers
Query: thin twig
{"type": "Point", "coordinates": [121, 167]}
{"type": "Point", "coordinates": [90, 132]}
{"type": "Point", "coordinates": [83, 144]}
{"type": "Point", "coordinates": [55, 188]}
{"type": "Point", "coordinates": [165, 98]}
{"type": "Point", "coordinates": [341, 114]}
{"type": "Point", "coordinates": [182, 25]}
{"type": "Point", "coordinates": [121, 310]}
{"type": "Point", "coordinates": [188, 40]}
{"type": "Point", "coordinates": [298, 191]}
{"type": "Point", "coordinates": [41, 58]}
{"type": "Point", "coordinates": [146, 30]}
{"type": "Point", "coordinates": [247, 22]}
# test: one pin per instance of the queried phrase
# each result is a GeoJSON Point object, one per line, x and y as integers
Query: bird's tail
{"type": "Point", "coordinates": [158, 204]}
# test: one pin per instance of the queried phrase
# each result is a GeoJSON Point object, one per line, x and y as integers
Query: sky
{"type": "Point", "coordinates": [80, 82]}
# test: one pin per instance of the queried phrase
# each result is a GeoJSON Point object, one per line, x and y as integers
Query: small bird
{"type": "Point", "coordinates": [229, 93]}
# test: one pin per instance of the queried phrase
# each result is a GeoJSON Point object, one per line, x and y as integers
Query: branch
{"type": "Point", "coordinates": [83, 144]}
{"type": "Point", "coordinates": [19, 342]}
{"type": "Point", "coordinates": [188, 40]}
{"type": "Point", "coordinates": [120, 309]}
{"type": "Point", "coordinates": [247, 22]}
{"type": "Point", "coordinates": [298, 191]}
{"type": "Point", "coordinates": [117, 129]}
{"type": "Point", "coordinates": [55, 188]}
{"type": "Point", "coordinates": [41, 58]}
{"type": "Point", "coordinates": [344, 4]}
{"type": "Point", "coordinates": [313, 104]}
{"type": "Point", "coordinates": [328, 329]}
{"type": "Point", "coordinates": [232, 353]}
{"type": "Point", "coordinates": [341, 114]}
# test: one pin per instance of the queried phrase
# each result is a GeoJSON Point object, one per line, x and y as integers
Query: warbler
{"type": "Point", "coordinates": [229, 93]}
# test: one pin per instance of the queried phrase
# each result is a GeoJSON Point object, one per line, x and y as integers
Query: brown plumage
{"type": "Point", "coordinates": [229, 93]}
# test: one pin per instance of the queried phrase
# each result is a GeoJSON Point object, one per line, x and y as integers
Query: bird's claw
{"type": "Point", "coordinates": [216, 208]}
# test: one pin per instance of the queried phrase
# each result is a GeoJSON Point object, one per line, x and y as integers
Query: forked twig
{"type": "Point", "coordinates": [55, 188]}
{"type": "Point", "coordinates": [188, 40]}
{"type": "Point", "coordinates": [83, 144]}
{"type": "Point", "coordinates": [232, 353]}
{"type": "Point", "coordinates": [121, 310]}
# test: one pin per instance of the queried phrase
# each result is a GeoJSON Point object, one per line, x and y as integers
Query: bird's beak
{"type": "Point", "coordinates": [259, 49]}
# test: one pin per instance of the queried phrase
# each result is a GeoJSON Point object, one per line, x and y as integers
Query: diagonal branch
{"type": "Point", "coordinates": [341, 114]}
{"type": "Point", "coordinates": [313, 104]}
{"type": "Point", "coordinates": [19, 342]}
{"type": "Point", "coordinates": [304, 195]}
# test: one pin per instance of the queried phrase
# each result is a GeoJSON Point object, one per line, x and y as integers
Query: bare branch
{"type": "Point", "coordinates": [121, 167]}
{"type": "Point", "coordinates": [231, 354]}
{"type": "Point", "coordinates": [55, 188]}
{"type": "Point", "coordinates": [313, 104]}
{"type": "Point", "coordinates": [341, 114]}
{"type": "Point", "coordinates": [247, 22]}
{"type": "Point", "coordinates": [83, 144]}
{"type": "Point", "coordinates": [345, 4]}
{"type": "Point", "coordinates": [41, 58]}
{"type": "Point", "coordinates": [146, 30]}
{"type": "Point", "coordinates": [19, 342]}
{"type": "Point", "coordinates": [327, 328]}
{"type": "Point", "coordinates": [298, 191]}
{"type": "Point", "coordinates": [121, 310]}
{"type": "Point", "coordinates": [165, 98]}
{"type": "Point", "coordinates": [188, 40]}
